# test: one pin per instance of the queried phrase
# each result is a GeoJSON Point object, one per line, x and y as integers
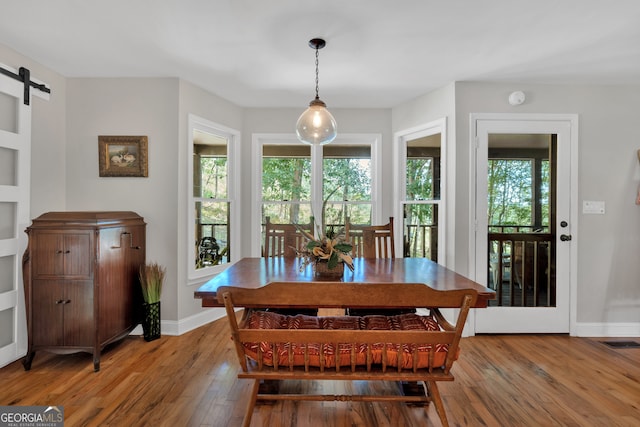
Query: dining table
{"type": "Point", "coordinates": [253, 273]}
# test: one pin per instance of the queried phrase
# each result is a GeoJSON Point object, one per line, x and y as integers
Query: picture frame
{"type": "Point", "coordinates": [122, 156]}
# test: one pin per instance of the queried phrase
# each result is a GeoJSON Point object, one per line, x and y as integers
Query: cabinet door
{"type": "Point", "coordinates": [79, 326]}
{"type": "Point", "coordinates": [47, 312]}
{"type": "Point", "coordinates": [63, 313]}
{"type": "Point", "coordinates": [78, 254]}
{"type": "Point", "coordinates": [63, 254]}
{"type": "Point", "coordinates": [48, 254]}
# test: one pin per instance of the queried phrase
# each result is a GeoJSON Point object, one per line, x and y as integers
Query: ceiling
{"type": "Point", "coordinates": [379, 53]}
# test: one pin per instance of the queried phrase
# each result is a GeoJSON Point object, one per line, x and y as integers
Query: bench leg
{"type": "Point", "coordinates": [252, 403]}
{"type": "Point", "coordinates": [434, 394]}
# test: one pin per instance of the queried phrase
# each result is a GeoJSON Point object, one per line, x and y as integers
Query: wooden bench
{"type": "Point", "coordinates": [408, 347]}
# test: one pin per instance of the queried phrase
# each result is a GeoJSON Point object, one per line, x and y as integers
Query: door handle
{"type": "Point", "coordinates": [565, 237]}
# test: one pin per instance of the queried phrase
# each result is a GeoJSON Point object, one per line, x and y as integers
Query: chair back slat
{"type": "Point", "coordinates": [282, 239]}
{"type": "Point", "coordinates": [371, 241]}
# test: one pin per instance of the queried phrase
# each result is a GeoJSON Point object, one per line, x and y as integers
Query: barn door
{"type": "Point", "coordinates": [15, 158]}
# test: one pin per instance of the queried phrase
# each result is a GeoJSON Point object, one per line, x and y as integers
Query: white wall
{"type": "Point", "coordinates": [128, 106]}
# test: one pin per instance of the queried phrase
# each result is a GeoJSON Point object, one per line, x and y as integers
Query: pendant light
{"type": "Point", "coordinates": [316, 125]}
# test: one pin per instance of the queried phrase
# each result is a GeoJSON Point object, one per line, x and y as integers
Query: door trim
{"type": "Point", "coordinates": [572, 121]}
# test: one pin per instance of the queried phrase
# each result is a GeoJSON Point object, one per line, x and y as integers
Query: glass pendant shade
{"type": "Point", "coordinates": [316, 126]}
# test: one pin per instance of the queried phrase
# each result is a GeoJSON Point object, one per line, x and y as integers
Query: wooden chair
{"type": "Point", "coordinates": [371, 241]}
{"type": "Point", "coordinates": [282, 239]}
{"type": "Point", "coordinates": [353, 234]}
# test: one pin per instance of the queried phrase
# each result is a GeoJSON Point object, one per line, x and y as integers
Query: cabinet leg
{"type": "Point", "coordinates": [96, 363]}
{"type": "Point", "coordinates": [26, 362]}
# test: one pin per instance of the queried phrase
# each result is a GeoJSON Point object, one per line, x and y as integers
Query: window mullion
{"type": "Point", "coordinates": [317, 197]}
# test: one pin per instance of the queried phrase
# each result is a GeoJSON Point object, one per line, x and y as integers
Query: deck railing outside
{"type": "Point", "coordinates": [520, 268]}
{"type": "Point", "coordinates": [421, 241]}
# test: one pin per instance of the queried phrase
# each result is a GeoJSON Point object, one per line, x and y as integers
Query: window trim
{"type": "Point", "coordinates": [260, 139]}
{"type": "Point", "coordinates": [196, 276]}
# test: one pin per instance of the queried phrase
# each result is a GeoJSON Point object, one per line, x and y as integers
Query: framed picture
{"type": "Point", "coordinates": [123, 155]}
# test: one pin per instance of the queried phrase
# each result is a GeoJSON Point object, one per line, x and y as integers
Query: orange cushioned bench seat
{"type": "Point", "coordinates": [293, 354]}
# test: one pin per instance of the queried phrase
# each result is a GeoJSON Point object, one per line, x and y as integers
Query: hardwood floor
{"type": "Point", "coordinates": [190, 380]}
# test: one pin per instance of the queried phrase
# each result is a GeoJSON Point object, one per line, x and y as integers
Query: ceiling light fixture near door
{"type": "Point", "coordinates": [316, 125]}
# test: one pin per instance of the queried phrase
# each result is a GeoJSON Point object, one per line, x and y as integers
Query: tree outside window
{"type": "Point", "coordinates": [511, 189]}
{"type": "Point", "coordinates": [345, 181]}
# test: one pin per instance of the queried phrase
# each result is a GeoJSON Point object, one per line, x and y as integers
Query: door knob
{"type": "Point", "coordinates": [565, 237]}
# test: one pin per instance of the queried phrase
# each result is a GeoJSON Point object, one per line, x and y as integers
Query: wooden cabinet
{"type": "Point", "coordinates": [81, 280]}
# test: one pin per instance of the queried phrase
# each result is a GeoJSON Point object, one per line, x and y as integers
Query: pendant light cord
{"type": "Point", "coordinates": [317, 54]}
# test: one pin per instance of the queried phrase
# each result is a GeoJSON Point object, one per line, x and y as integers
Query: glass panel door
{"type": "Point", "coordinates": [523, 199]}
{"type": "Point", "coordinates": [520, 245]}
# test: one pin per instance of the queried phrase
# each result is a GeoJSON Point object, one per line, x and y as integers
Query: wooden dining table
{"type": "Point", "coordinates": [253, 273]}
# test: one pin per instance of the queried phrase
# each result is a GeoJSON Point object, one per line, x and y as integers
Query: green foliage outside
{"type": "Point", "coordinates": [347, 181]}
{"type": "Point", "coordinates": [420, 179]}
{"type": "Point", "coordinates": [420, 218]}
{"type": "Point", "coordinates": [289, 180]}
{"type": "Point", "coordinates": [510, 192]}
{"type": "Point", "coordinates": [213, 186]}
{"type": "Point", "coordinates": [286, 179]}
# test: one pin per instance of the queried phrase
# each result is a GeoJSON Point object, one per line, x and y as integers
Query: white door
{"type": "Point", "coordinates": [532, 299]}
{"type": "Point", "coordinates": [15, 158]}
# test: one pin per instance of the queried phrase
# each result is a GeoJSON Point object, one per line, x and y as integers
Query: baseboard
{"type": "Point", "coordinates": [607, 329]}
{"type": "Point", "coordinates": [182, 326]}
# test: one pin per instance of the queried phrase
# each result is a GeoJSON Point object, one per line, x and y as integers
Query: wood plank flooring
{"type": "Point", "coordinates": [190, 380]}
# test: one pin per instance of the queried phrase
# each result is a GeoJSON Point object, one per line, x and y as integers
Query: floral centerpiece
{"type": "Point", "coordinates": [329, 247]}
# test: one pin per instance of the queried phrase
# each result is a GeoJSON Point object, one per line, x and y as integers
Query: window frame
{"type": "Point", "coordinates": [400, 189]}
{"type": "Point", "coordinates": [233, 187]}
{"type": "Point", "coordinates": [260, 139]}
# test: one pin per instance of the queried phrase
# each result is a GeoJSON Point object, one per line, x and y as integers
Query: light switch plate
{"type": "Point", "coordinates": [593, 207]}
